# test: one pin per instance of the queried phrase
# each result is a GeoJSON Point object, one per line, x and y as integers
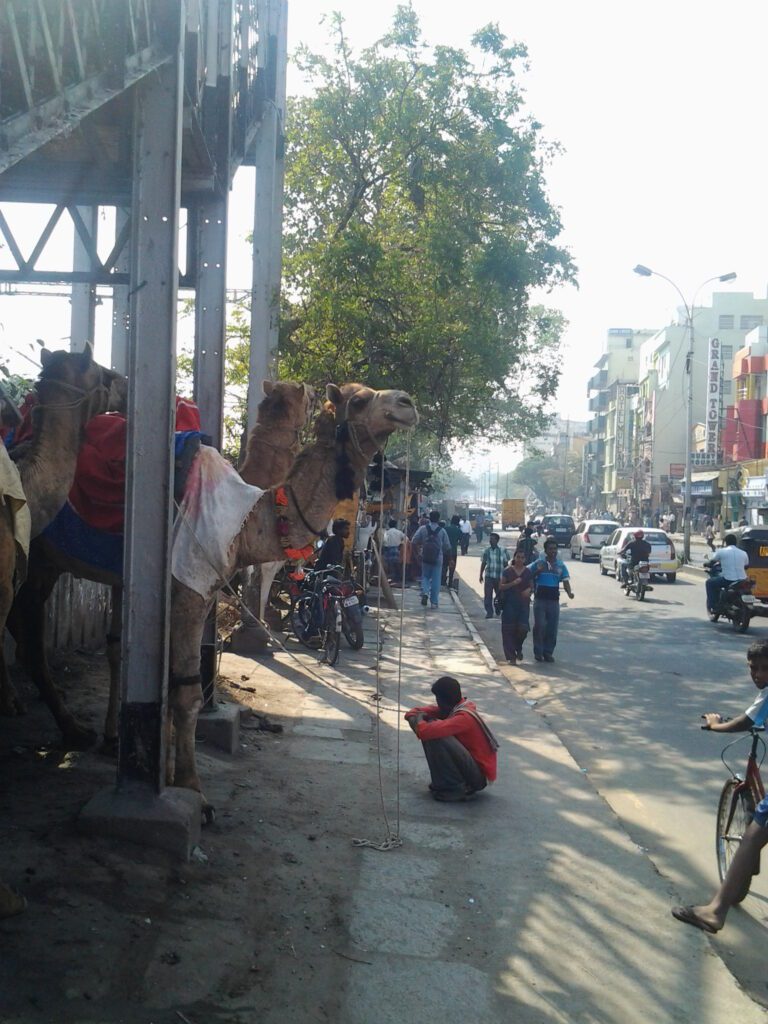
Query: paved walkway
{"type": "Point", "coordinates": [529, 904]}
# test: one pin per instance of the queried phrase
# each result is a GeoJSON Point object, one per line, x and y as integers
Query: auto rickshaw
{"type": "Point", "coordinates": [754, 540]}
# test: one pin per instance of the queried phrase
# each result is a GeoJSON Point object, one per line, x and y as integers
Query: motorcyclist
{"type": "Point", "coordinates": [635, 551]}
{"type": "Point", "coordinates": [733, 562]}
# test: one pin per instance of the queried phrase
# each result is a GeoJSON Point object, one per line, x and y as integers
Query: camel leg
{"type": "Point", "coordinates": [185, 693]}
{"type": "Point", "coordinates": [26, 623]}
{"type": "Point", "coordinates": [114, 657]}
{"type": "Point", "coordinates": [10, 704]}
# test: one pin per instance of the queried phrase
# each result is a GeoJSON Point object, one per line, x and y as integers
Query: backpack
{"type": "Point", "coordinates": [432, 548]}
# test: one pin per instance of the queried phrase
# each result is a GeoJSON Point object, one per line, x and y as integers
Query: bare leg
{"type": "Point", "coordinates": [745, 863]}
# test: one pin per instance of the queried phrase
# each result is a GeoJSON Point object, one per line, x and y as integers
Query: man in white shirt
{"type": "Point", "coordinates": [733, 563]}
{"type": "Point", "coordinates": [466, 532]}
{"type": "Point", "coordinates": [392, 540]}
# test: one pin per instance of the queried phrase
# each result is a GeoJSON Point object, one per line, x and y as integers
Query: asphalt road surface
{"type": "Point", "coordinates": [625, 695]}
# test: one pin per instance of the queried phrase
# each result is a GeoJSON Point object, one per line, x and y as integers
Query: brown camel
{"type": "Point", "coordinates": [354, 424]}
{"type": "Point", "coordinates": [275, 440]}
{"type": "Point", "coordinates": [71, 388]}
{"type": "Point", "coordinates": [272, 448]}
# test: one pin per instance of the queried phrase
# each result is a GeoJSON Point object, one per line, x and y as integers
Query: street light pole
{"type": "Point", "coordinates": [689, 309]}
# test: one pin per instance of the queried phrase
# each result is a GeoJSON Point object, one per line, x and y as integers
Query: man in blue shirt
{"type": "Point", "coordinates": [548, 572]}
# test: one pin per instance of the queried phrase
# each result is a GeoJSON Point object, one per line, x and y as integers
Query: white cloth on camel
{"type": "Point", "coordinates": [12, 494]}
{"type": "Point", "coordinates": [216, 503]}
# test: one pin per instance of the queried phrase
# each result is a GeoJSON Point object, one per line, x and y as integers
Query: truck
{"type": "Point", "coordinates": [513, 513]}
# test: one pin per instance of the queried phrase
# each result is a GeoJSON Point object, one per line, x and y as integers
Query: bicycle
{"type": "Point", "coordinates": [738, 799]}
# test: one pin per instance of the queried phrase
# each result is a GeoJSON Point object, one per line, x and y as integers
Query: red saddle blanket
{"type": "Point", "coordinates": [98, 493]}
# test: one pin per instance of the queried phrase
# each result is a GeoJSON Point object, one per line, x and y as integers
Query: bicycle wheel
{"type": "Point", "coordinates": [640, 593]}
{"type": "Point", "coordinates": [332, 632]}
{"type": "Point", "coordinates": [280, 604]}
{"type": "Point", "coordinates": [734, 813]}
{"type": "Point", "coordinates": [301, 622]}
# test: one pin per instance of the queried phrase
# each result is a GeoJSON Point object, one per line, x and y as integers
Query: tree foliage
{"type": "Point", "coordinates": [548, 477]}
{"type": "Point", "coordinates": [416, 226]}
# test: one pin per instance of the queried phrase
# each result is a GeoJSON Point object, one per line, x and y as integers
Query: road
{"type": "Point", "coordinates": [624, 695]}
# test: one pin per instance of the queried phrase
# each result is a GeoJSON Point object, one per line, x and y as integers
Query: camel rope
{"type": "Point", "coordinates": [393, 839]}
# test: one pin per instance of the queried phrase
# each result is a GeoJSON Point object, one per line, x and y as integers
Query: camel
{"type": "Point", "coordinates": [272, 447]}
{"type": "Point", "coordinates": [71, 388]}
{"type": "Point", "coordinates": [275, 440]}
{"type": "Point", "coordinates": [355, 422]}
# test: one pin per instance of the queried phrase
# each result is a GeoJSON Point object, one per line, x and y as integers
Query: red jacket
{"type": "Point", "coordinates": [464, 728]}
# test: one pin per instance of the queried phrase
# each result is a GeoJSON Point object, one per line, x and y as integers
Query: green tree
{"type": "Point", "coordinates": [416, 226]}
{"type": "Point", "coordinates": [548, 478]}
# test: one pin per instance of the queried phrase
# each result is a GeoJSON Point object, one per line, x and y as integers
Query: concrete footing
{"type": "Point", "coordinates": [168, 821]}
{"type": "Point", "coordinates": [220, 727]}
{"type": "Point", "coordinates": [250, 641]}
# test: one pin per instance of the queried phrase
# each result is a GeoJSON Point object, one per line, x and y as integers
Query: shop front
{"type": "Point", "coordinates": [706, 498]}
{"type": "Point", "coordinates": [755, 498]}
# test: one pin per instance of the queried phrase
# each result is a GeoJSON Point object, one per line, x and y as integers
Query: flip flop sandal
{"type": "Point", "coordinates": [687, 916]}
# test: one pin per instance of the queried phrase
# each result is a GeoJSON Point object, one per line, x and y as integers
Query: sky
{"type": "Point", "coordinates": [659, 108]}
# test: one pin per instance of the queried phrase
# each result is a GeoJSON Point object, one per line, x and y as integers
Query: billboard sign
{"type": "Point", "coordinates": [714, 379]}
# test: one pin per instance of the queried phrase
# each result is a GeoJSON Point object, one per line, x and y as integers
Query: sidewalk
{"type": "Point", "coordinates": [529, 904]}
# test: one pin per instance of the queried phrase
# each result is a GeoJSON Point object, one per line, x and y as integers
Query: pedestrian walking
{"type": "Point", "coordinates": [548, 573]}
{"type": "Point", "coordinates": [466, 532]}
{"type": "Point", "coordinates": [493, 563]}
{"type": "Point", "coordinates": [515, 590]}
{"type": "Point", "coordinates": [449, 564]}
{"type": "Point", "coordinates": [480, 526]}
{"type": "Point", "coordinates": [709, 536]}
{"type": "Point", "coordinates": [393, 539]}
{"type": "Point", "coordinates": [459, 747]}
{"type": "Point", "coordinates": [432, 545]}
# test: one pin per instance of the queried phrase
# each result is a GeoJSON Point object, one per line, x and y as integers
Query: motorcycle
{"type": "Point", "coordinates": [308, 608]}
{"type": "Point", "coordinates": [733, 602]}
{"type": "Point", "coordinates": [638, 581]}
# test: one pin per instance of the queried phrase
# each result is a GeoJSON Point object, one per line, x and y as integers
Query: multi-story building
{"type": "Point", "coordinates": [605, 455]}
{"type": "Point", "coordinates": [744, 434]}
{"type": "Point", "coordinates": [659, 444]}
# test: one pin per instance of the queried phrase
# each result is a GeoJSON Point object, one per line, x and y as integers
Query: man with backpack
{"type": "Point", "coordinates": [432, 543]}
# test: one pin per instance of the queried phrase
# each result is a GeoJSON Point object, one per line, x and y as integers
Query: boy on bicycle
{"type": "Point", "coordinates": [746, 861]}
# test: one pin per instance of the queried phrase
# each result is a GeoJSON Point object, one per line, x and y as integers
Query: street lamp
{"type": "Point", "coordinates": [647, 272]}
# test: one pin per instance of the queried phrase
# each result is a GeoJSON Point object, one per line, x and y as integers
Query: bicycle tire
{"type": "Point", "coordinates": [734, 813]}
{"type": "Point", "coordinates": [332, 632]}
{"type": "Point", "coordinates": [301, 622]}
{"type": "Point", "coordinates": [640, 593]}
{"type": "Point", "coordinates": [280, 603]}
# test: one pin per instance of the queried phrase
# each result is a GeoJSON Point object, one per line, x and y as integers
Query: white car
{"type": "Point", "coordinates": [590, 536]}
{"type": "Point", "coordinates": [663, 560]}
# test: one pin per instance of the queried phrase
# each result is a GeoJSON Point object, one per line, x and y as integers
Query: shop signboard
{"type": "Point", "coordinates": [621, 426]}
{"type": "Point", "coordinates": [699, 459]}
{"type": "Point", "coordinates": [676, 470]}
{"type": "Point", "coordinates": [714, 377]}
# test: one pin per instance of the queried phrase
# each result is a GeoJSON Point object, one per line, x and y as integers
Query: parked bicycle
{"type": "Point", "coordinates": [328, 607]}
{"type": "Point", "coordinates": [738, 800]}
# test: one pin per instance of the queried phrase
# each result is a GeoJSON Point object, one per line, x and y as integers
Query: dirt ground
{"type": "Point", "coordinates": [127, 935]}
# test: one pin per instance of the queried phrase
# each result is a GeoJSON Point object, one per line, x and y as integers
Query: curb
{"type": "Point", "coordinates": [485, 653]}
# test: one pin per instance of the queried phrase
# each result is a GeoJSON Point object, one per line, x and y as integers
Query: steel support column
{"type": "Point", "coordinates": [151, 373]}
{"type": "Point", "coordinates": [121, 318]}
{"type": "Point", "coordinates": [83, 313]}
{"type": "Point", "coordinates": [210, 337]}
{"type": "Point", "coordinates": [263, 298]}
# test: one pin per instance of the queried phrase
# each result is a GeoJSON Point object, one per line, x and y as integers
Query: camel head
{"type": "Point", "coordinates": [73, 379]}
{"type": "Point", "coordinates": [364, 419]}
{"type": "Point", "coordinates": [286, 403]}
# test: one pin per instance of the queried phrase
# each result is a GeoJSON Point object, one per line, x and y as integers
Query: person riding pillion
{"type": "Point", "coordinates": [633, 553]}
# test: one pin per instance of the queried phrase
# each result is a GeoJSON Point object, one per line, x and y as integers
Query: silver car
{"type": "Point", "coordinates": [663, 560]}
{"type": "Point", "coordinates": [590, 536]}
